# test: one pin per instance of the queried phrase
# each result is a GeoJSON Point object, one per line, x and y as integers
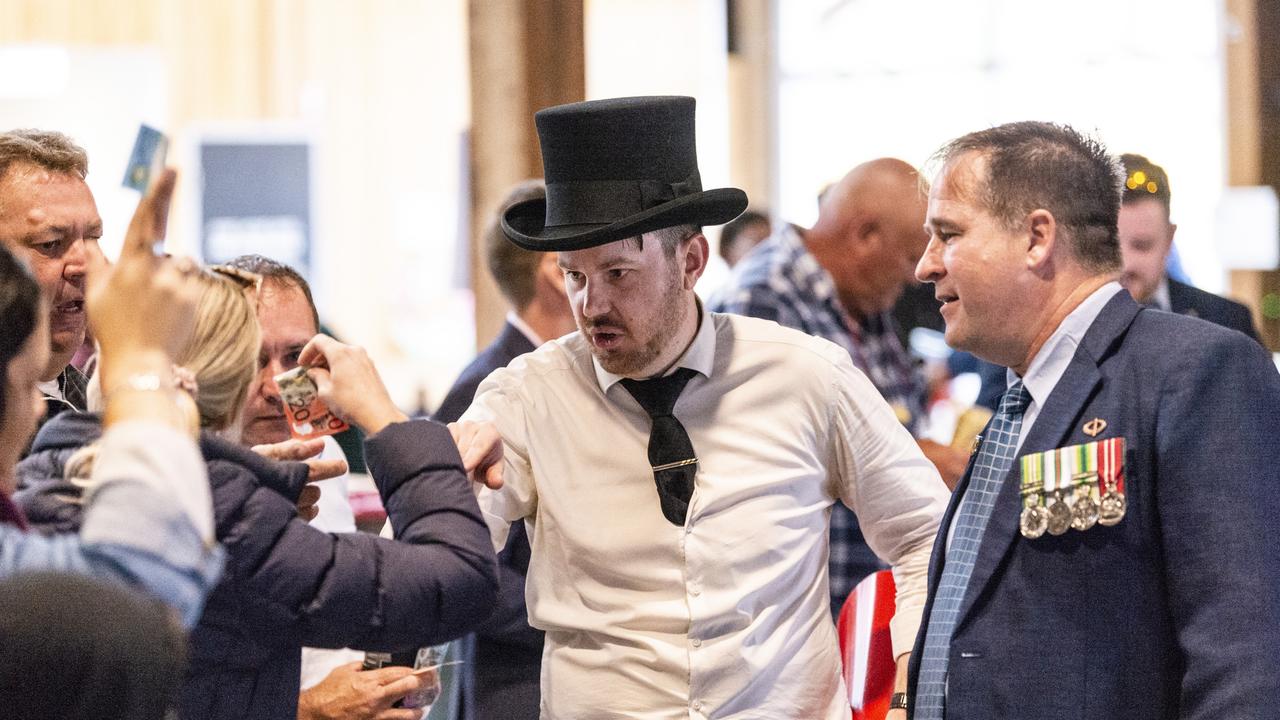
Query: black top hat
{"type": "Point", "coordinates": [615, 169]}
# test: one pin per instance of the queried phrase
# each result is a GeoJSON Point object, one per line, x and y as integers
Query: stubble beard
{"type": "Point", "coordinates": [664, 327]}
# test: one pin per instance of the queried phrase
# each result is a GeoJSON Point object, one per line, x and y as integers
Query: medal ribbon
{"type": "Point", "coordinates": [1110, 456]}
{"type": "Point", "coordinates": [1032, 478]}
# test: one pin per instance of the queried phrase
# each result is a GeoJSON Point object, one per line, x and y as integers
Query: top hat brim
{"type": "Point", "coordinates": [525, 223]}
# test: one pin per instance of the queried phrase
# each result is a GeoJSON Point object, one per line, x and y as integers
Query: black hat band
{"type": "Point", "coordinates": [601, 202]}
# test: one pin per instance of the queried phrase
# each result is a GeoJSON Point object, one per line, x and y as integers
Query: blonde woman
{"type": "Point", "coordinates": [288, 584]}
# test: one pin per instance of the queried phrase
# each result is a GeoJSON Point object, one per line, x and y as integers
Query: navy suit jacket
{"type": "Point", "coordinates": [1175, 611]}
{"type": "Point", "coordinates": [1185, 299]}
{"type": "Point", "coordinates": [510, 344]}
{"type": "Point", "coordinates": [503, 670]}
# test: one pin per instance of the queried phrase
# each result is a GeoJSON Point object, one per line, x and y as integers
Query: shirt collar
{"type": "Point", "coordinates": [1160, 298]}
{"type": "Point", "coordinates": [699, 357]}
{"type": "Point", "coordinates": [51, 388]}
{"type": "Point", "coordinates": [525, 330]}
{"type": "Point", "coordinates": [1051, 361]}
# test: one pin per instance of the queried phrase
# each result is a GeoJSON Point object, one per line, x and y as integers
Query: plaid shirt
{"type": "Point", "coordinates": [780, 280]}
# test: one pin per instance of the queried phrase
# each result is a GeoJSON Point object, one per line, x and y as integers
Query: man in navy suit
{"type": "Point", "coordinates": [502, 672]}
{"type": "Point", "coordinates": [1165, 606]}
{"type": "Point", "coordinates": [1146, 238]}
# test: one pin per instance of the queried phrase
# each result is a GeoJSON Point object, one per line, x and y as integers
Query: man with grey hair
{"type": "Point", "coordinates": [1111, 552]}
{"type": "Point", "coordinates": [49, 219]}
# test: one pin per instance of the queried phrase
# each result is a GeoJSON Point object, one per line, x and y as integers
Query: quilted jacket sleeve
{"type": "Point", "coordinates": [437, 581]}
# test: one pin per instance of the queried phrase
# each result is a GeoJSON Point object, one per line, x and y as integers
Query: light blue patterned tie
{"type": "Point", "coordinates": [995, 455]}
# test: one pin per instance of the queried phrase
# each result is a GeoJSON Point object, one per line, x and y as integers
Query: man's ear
{"type": "Point", "coordinates": [1041, 238]}
{"type": "Point", "coordinates": [548, 273]}
{"type": "Point", "coordinates": [692, 255]}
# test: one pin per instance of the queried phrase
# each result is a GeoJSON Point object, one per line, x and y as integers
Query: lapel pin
{"type": "Point", "coordinates": [1094, 427]}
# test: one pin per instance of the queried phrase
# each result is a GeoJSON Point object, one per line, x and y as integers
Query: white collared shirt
{"type": "Point", "coordinates": [1160, 296]}
{"type": "Point", "coordinates": [1051, 361]}
{"type": "Point", "coordinates": [728, 616]}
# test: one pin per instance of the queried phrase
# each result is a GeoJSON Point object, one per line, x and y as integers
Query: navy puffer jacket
{"type": "Point", "coordinates": [287, 584]}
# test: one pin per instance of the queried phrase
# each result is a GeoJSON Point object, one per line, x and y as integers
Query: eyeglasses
{"type": "Point", "coordinates": [243, 278]}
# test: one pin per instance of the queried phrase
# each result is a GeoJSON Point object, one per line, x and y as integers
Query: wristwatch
{"type": "Point", "coordinates": [898, 701]}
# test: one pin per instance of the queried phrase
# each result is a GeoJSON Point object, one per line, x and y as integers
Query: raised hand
{"type": "Point", "coordinates": [142, 312]}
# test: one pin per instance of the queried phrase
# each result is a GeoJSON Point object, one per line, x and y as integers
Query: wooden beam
{"type": "Point", "coordinates": [524, 56]}
{"type": "Point", "coordinates": [1253, 127]}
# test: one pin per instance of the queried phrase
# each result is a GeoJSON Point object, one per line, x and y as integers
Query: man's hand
{"type": "Point", "coordinates": [349, 693]}
{"type": "Point", "coordinates": [305, 451]}
{"type": "Point", "coordinates": [949, 461]}
{"type": "Point", "coordinates": [480, 446]}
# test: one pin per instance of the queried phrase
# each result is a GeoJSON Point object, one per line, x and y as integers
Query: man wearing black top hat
{"type": "Point", "coordinates": [675, 468]}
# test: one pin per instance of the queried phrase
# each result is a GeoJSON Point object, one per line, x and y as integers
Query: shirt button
{"type": "Point", "coordinates": [695, 589]}
{"type": "Point", "coordinates": [697, 706]}
{"type": "Point", "coordinates": [697, 642]}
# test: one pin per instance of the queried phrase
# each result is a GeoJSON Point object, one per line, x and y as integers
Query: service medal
{"type": "Point", "coordinates": [1111, 510]}
{"type": "Point", "coordinates": [1059, 515]}
{"type": "Point", "coordinates": [1034, 521]}
{"type": "Point", "coordinates": [1084, 512]}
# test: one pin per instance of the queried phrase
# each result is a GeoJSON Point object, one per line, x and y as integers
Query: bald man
{"type": "Point", "coordinates": [839, 280]}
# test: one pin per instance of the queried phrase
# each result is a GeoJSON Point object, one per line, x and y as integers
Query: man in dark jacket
{"type": "Point", "coordinates": [1146, 237]}
{"type": "Point", "coordinates": [287, 584]}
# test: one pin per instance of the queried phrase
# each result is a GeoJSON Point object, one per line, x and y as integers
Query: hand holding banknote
{"type": "Point", "coordinates": [349, 384]}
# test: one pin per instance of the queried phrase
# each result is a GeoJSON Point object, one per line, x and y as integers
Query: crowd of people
{"type": "Point", "coordinates": [639, 502]}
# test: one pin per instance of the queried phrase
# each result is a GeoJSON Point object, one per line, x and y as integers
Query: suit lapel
{"type": "Point", "coordinates": [1052, 428]}
{"type": "Point", "coordinates": [1179, 300]}
{"type": "Point", "coordinates": [513, 342]}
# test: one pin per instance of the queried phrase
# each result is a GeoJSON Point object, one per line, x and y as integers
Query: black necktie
{"type": "Point", "coordinates": [670, 452]}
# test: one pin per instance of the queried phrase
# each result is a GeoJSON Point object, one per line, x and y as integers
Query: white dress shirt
{"type": "Point", "coordinates": [729, 615]}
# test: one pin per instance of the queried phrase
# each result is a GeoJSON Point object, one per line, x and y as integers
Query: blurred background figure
{"type": "Point", "coordinates": [533, 285]}
{"type": "Point", "coordinates": [739, 236]}
{"type": "Point", "coordinates": [1146, 239]}
{"type": "Point", "coordinates": [502, 661]}
{"type": "Point", "coordinates": [839, 280]}
{"type": "Point", "coordinates": [75, 647]}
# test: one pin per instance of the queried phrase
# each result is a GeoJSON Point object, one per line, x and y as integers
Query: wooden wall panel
{"type": "Point", "coordinates": [524, 56]}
